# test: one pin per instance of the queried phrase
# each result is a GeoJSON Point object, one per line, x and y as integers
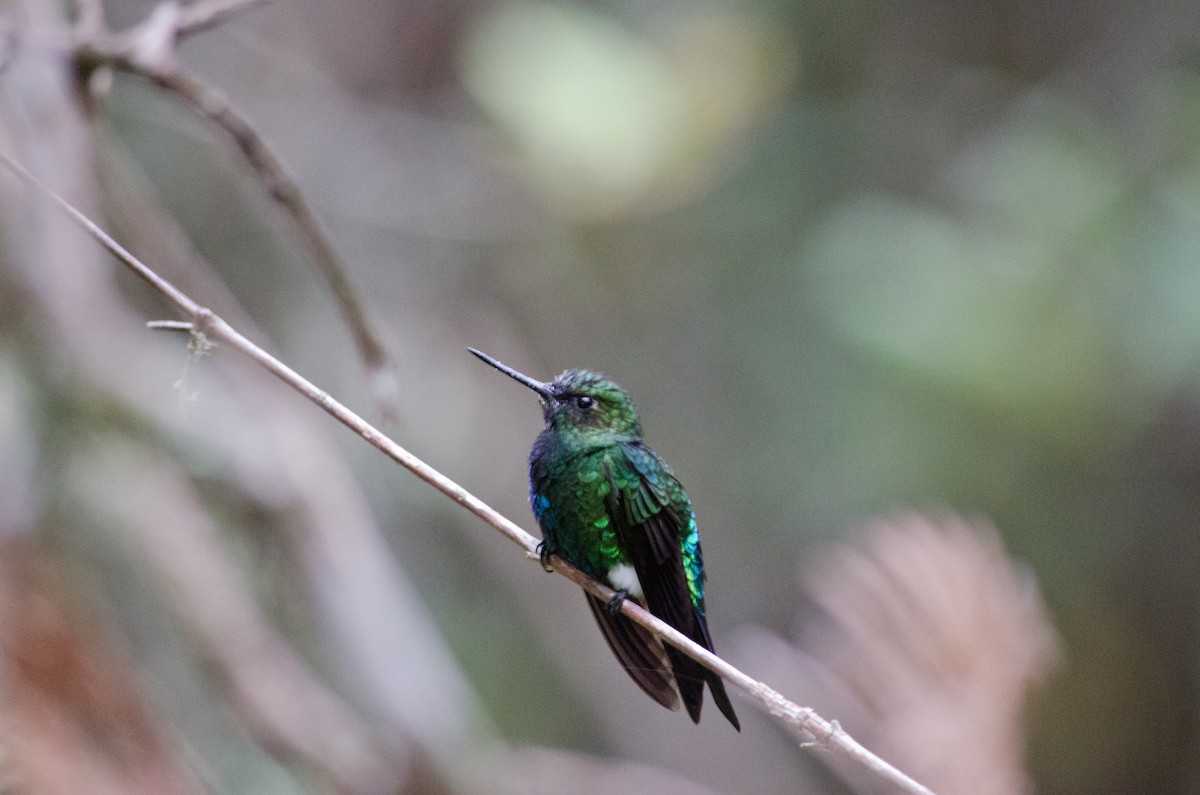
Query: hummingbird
{"type": "Point", "coordinates": [610, 506]}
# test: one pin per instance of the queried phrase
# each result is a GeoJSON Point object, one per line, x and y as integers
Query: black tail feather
{"type": "Point", "coordinates": [640, 653]}
{"type": "Point", "coordinates": [660, 668]}
{"type": "Point", "coordinates": [717, 685]}
{"type": "Point", "coordinates": [690, 677]}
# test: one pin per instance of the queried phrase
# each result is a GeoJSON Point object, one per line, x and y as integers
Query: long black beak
{"type": "Point", "coordinates": [541, 388]}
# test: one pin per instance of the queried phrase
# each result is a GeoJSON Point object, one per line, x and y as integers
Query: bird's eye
{"type": "Point", "coordinates": [584, 401]}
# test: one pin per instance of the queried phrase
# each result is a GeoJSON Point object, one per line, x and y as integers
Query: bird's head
{"type": "Point", "coordinates": [582, 406]}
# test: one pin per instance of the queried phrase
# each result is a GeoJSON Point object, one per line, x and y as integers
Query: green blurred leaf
{"type": "Point", "coordinates": [596, 110]}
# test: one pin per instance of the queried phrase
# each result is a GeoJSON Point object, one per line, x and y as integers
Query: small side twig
{"type": "Point", "coordinates": [169, 325]}
{"type": "Point", "coordinates": [805, 724]}
{"type": "Point", "coordinates": [187, 20]}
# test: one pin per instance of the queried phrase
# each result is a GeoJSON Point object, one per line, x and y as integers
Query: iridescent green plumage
{"type": "Point", "coordinates": [611, 507]}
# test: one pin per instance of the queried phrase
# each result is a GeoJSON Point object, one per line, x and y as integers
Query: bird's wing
{"type": "Point", "coordinates": [654, 520]}
{"type": "Point", "coordinates": [649, 526]}
{"type": "Point", "coordinates": [640, 653]}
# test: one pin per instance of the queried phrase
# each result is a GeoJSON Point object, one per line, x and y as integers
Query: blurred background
{"type": "Point", "coordinates": [867, 269]}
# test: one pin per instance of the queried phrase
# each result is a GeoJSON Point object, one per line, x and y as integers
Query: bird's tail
{"type": "Point", "coordinates": [640, 654]}
{"type": "Point", "coordinates": [690, 677]}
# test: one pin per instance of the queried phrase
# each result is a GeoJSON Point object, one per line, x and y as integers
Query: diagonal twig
{"type": "Point", "coordinates": [805, 724]}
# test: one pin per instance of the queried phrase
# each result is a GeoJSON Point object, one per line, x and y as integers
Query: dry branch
{"type": "Point", "coordinates": [808, 727]}
{"type": "Point", "coordinates": [56, 285]}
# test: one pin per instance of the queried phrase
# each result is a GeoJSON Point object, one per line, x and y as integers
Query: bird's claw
{"type": "Point", "coordinates": [613, 605]}
{"type": "Point", "coordinates": [544, 553]}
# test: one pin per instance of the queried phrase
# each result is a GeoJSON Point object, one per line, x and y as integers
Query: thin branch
{"type": "Point", "coordinates": [805, 724]}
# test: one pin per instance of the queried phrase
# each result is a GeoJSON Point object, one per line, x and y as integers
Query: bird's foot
{"type": "Point", "coordinates": [544, 553]}
{"type": "Point", "coordinates": [613, 605]}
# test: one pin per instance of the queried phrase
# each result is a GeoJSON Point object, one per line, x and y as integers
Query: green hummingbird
{"type": "Point", "coordinates": [608, 505]}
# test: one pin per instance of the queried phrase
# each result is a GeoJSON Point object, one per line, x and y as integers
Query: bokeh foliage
{"type": "Point", "coordinates": [847, 256]}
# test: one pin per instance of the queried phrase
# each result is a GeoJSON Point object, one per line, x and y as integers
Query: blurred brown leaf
{"type": "Point", "coordinates": [925, 643]}
{"type": "Point", "coordinates": [75, 718]}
